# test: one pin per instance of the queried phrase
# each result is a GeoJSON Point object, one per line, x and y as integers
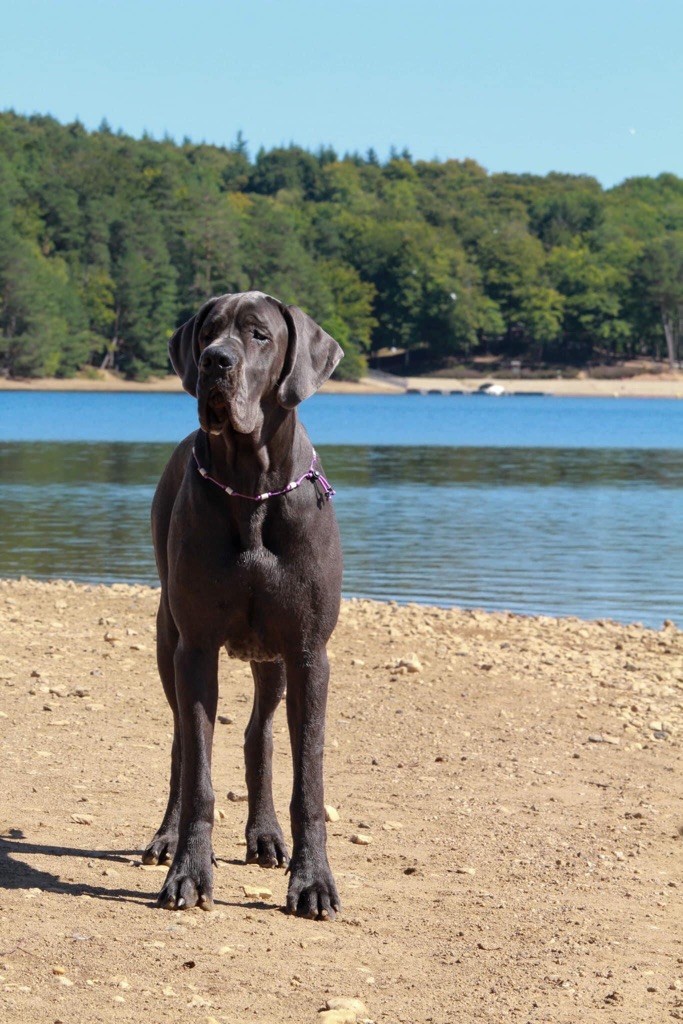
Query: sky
{"type": "Point", "coordinates": [526, 86]}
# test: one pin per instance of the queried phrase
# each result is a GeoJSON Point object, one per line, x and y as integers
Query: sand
{"type": "Point", "coordinates": [106, 381]}
{"type": "Point", "coordinates": [665, 385]}
{"type": "Point", "coordinates": [522, 789]}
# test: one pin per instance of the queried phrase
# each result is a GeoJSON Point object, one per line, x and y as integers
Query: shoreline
{"type": "Point", "coordinates": [641, 386]}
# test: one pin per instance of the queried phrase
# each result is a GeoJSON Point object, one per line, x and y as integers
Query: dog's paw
{"type": "Point", "coordinates": [266, 846]}
{"type": "Point", "coordinates": [162, 848]}
{"type": "Point", "coordinates": [187, 885]}
{"type": "Point", "coordinates": [312, 891]}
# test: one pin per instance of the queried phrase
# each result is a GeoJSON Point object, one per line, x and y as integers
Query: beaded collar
{"type": "Point", "coordinates": [322, 486]}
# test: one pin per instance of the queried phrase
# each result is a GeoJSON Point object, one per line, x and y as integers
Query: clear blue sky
{"type": "Point", "coordinates": [530, 85]}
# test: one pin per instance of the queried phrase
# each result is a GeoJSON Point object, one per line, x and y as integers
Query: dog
{"type": "Point", "coordinates": [249, 558]}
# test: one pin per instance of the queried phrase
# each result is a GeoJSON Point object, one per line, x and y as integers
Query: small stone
{"type": "Point", "coordinates": [82, 819]}
{"type": "Point", "coordinates": [65, 981]}
{"type": "Point", "coordinates": [360, 839]}
{"type": "Point", "coordinates": [198, 1000]}
{"type": "Point", "coordinates": [331, 813]}
{"type": "Point", "coordinates": [225, 719]}
{"type": "Point", "coordinates": [338, 1016]}
{"type": "Point", "coordinates": [346, 1003]}
{"type": "Point", "coordinates": [258, 892]}
{"type": "Point", "coordinates": [465, 871]}
{"type": "Point", "coordinates": [59, 970]}
{"type": "Point", "coordinates": [411, 664]}
{"type": "Point", "coordinates": [237, 798]}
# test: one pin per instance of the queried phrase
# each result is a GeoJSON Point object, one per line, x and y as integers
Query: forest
{"type": "Point", "coordinates": [107, 243]}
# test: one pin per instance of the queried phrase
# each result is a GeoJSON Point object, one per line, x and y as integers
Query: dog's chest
{"type": "Point", "coordinates": [256, 613]}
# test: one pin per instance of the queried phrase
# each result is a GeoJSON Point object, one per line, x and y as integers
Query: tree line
{"type": "Point", "coordinates": [108, 242]}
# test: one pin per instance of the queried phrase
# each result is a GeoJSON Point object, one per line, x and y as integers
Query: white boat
{"type": "Point", "coordinates": [492, 389]}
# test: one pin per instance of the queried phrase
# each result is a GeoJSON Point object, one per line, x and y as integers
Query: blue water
{"type": "Point", "coordinates": [447, 421]}
{"type": "Point", "coordinates": [537, 505]}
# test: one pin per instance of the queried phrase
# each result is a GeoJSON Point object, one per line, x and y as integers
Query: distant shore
{"type": "Point", "coordinates": [665, 385]}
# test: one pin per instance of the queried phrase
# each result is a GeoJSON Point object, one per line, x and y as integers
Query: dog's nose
{"type": "Point", "coordinates": [216, 360]}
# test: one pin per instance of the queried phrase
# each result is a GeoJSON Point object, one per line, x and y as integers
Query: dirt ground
{"type": "Point", "coordinates": [521, 787]}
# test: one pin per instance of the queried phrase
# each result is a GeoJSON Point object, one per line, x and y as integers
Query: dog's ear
{"type": "Point", "coordinates": [183, 348]}
{"type": "Point", "coordinates": [311, 357]}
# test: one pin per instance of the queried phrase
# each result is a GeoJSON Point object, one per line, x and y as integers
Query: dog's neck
{"type": "Point", "coordinates": [265, 460]}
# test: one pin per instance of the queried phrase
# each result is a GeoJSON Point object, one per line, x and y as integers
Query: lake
{"type": "Point", "coordinates": [538, 505]}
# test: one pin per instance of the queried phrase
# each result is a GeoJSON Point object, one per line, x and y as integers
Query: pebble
{"type": "Point", "coordinates": [347, 1003]}
{"type": "Point", "coordinates": [412, 663]}
{"type": "Point", "coordinates": [338, 1017]}
{"type": "Point", "coordinates": [360, 839]}
{"type": "Point", "coordinates": [331, 813]}
{"type": "Point", "coordinates": [257, 892]}
{"type": "Point", "coordinates": [225, 719]}
{"type": "Point", "coordinates": [82, 819]}
{"type": "Point", "coordinates": [465, 871]}
{"type": "Point", "coordinates": [237, 798]}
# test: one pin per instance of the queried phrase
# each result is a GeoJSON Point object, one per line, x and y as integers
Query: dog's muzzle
{"type": "Point", "coordinates": [217, 371]}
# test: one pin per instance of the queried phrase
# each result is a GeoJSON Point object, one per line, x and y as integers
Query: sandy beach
{"type": "Point", "coordinates": [519, 779]}
{"type": "Point", "coordinates": [642, 386]}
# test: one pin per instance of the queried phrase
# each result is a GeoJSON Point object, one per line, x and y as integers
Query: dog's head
{"type": "Point", "coordinates": [239, 352]}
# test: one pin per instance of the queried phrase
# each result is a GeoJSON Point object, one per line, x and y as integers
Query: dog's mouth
{"type": "Point", "coordinates": [214, 409]}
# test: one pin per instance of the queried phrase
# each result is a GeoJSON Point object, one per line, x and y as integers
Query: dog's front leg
{"type": "Point", "coordinates": [190, 879]}
{"type": "Point", "coordinates": [312, 890]}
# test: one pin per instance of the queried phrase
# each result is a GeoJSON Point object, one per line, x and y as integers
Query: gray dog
{"type": "Point", "coordinates": [248, 553]}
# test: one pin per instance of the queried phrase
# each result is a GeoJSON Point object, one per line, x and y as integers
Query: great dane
{"type": "Point", "coordinates": [248, 553]}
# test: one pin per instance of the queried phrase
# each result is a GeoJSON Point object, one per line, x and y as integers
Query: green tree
{"type": "Point", "coordinates": [660, 275]}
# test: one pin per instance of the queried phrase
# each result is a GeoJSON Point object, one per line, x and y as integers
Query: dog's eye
{"type": "Point", "coordinates": [259, 335]}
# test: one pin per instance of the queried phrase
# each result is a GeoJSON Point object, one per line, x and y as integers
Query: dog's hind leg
{"type": "Point", "coordinates": [265, 842]}
{"type": "Point", "coordinates": [162, 848]}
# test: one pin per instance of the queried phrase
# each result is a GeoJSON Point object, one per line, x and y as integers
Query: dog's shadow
{"type": "Point", "coordinates": [15, 873]}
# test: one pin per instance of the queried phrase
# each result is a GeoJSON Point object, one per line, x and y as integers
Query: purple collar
{"type": "Point", "coordinates": [322, 486]}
